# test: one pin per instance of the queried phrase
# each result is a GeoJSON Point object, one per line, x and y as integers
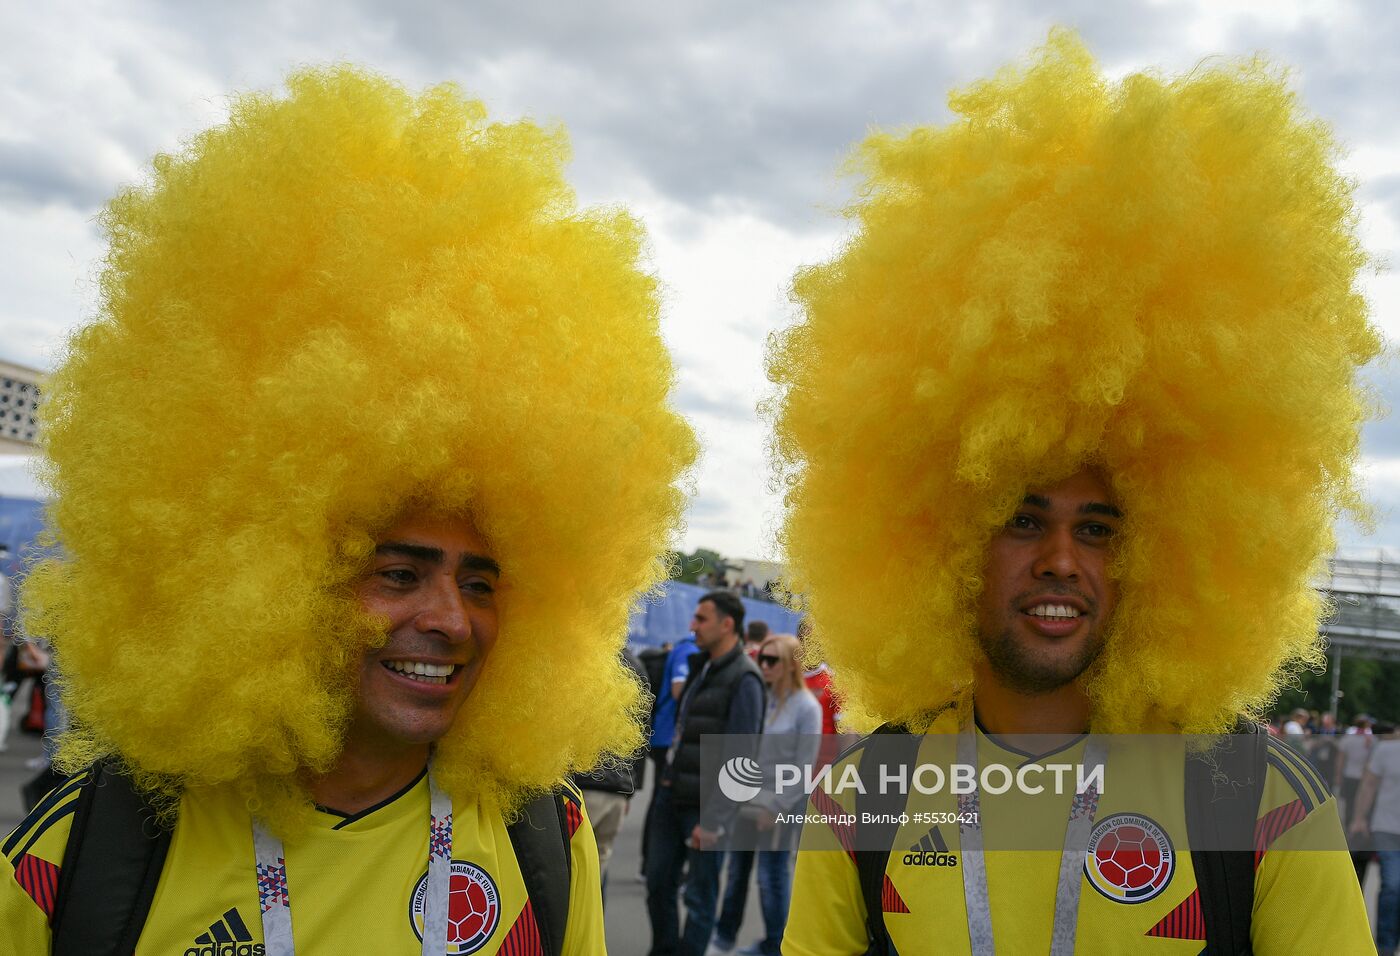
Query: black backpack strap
{"type": "Point", "coordinates": [1223, 789]}
{"type": "Point", "coordinates": [111, 866]}
{"type": "Point", "coordinates": [888, 745]}
{"type": "Point", "coordinates": [542, 839]}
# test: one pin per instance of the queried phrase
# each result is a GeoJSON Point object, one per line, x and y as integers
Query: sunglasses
{"type": "Point", "coordinates": [769, 660]}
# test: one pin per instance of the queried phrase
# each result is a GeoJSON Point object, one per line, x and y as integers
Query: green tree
{"type": "Point", "coordinates": [1367, 686]}
{"type": "Point", "coordinates": [689, 568]}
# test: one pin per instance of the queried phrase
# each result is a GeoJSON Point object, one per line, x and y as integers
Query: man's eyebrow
{"type": "Point", "coordinates": [422, 552]}
{"type": "Point", "coordinates": [479, 562]}
{"type": "Point", "coordinates": [1088, 508]}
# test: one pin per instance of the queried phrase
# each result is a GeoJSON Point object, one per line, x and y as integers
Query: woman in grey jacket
{"type": "Point", "coordinates": [791, 735]}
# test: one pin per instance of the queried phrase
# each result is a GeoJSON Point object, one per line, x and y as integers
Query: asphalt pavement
{"type": "Point", "coordinates": [13, 775]}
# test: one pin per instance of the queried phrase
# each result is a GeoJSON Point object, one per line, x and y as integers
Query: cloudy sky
{"type": "Point", "coordinates": [720, 124]}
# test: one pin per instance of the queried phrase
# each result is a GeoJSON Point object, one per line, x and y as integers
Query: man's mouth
{"type": "Point", "coordinates": [422, 672]}
{"type": "Point", "coordinates": [1053, 612]}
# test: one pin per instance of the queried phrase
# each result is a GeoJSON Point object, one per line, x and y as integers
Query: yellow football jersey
{"type": "Point", "coordinates": [1138, 892]}
{"type": "Point", "coordinates": [356, 883]}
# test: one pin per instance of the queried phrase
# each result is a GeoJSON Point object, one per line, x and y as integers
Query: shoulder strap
{"type": "Point", "coordinates": [111, 865]}
{"type": "Point", "coordinates": [881, 747]}
{"type": "Point", "coordinates": [1223, 789]}
{"type": "Point", "coordinates": [541, 840]}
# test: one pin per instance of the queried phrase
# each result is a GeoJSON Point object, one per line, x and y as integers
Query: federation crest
{"type": "Point", "coordinates": [1130, 858]}
{"type": "Point", "coordinates": [473, 908]}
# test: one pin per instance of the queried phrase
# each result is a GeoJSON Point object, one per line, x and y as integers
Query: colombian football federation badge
{"type": "Point", "coordinates": [1130, 858]}
{"type": "Point", "coordinates": [473, 908]}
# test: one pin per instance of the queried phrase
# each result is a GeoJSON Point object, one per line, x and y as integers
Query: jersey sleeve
{"type": "Point", "coordinates": [584, 935]}
{"type": "Point", "coordinates": [33, 854]}
{"type": "Point", "coordinates": [827, 913]}
{"type": "Point", "coordinates": [1305, 888]}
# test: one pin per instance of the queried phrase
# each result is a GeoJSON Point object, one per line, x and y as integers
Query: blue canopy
{"type": "Point", "coordinates": [655, 621]}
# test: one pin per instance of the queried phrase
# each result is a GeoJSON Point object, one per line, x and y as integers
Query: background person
{"type": "Point", "coordinates": [1377, 815]}
{"type": "Point", "coordinates": [723, 695]}
{"type": "Point", "coordinates": [663, 727]}
{"type": "Point", "coordinates": [792, 730]}
{"type": "Point", "coordinates": [1353, 751]}
{"type": "Point", "coordinates": [754, 635]}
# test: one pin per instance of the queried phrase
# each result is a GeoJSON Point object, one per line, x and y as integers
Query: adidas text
{"type": "Point", "coordinates": [930, 858]}
{"type": "Point", "coordinates": [227, 949]}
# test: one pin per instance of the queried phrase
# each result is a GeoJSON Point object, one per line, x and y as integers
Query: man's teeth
{"type": "Point", "coordinates": [1054, 611]}
{"type": "Point", "coordinates": [417, 670]}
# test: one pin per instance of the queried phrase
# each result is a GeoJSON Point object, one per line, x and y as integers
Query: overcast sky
{"type": "Point", "coordinates": [720, 124]}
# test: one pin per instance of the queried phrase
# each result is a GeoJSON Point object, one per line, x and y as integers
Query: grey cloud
{"type": "Point", "coordinates": [711, 511]}
{"type": "Point", "coordinates": [693, 401]}
{"type": "Point", "coordinates": [1381, 438]}
{"type": "Point", "coordinates": [1384, 193]}
{"type": "Point", "coordinates": [738, 106]}
{"type": "Point", "coordinates": [40, 173]}
{"type": "Point", "coordinates": [734, 105]}
{"type": "Point", "coordinates": [1346, 66]}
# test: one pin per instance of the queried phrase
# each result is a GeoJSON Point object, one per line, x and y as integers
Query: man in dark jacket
{"type": "Point", "coordinates": [724, 695]}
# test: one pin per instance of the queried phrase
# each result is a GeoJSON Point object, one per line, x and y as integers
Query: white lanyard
{"type": "Point", "coordinates": [275, 899]}
{"type": "Point", "coordinates": [1071, 880]}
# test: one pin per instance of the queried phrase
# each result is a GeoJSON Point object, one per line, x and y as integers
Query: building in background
{"type": "Point", "coordinates": [19, 404]}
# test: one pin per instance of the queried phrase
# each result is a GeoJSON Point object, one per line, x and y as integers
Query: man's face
{"type": "Point", "coordinates": [1047, 598]}
{"type": "Point", "coordinates": [434, 580]}
{"type": "Point", "coordinates": [709, 626]}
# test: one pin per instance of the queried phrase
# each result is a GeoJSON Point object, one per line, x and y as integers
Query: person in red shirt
{"type": "Point", "coordinates": [818, 681]}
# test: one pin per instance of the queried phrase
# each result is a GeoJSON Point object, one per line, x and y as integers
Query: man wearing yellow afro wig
{"type": "Point", "coordinates": [1066, 426]}
{"type": "Point", "coordinates": [357, 475]}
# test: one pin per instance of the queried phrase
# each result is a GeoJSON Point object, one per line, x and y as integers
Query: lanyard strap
{"type": "Point", "coordinates": [275, 899]}
{"type": "Point", "coordinates": [1071, 878]}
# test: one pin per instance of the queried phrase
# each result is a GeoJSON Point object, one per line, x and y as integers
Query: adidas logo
{"type": "Point", "coordinates": [228, 936]}
{"type": "Point", "coordinates": [931, 850]}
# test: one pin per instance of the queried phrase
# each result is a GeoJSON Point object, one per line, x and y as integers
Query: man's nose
{"type": "Point", "coordinates": [444, 610]}
{"type": "Point", "coordinates": [1058, 558]}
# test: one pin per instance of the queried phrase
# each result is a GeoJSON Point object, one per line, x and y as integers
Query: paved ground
{"type": "Point", "coordinates": [13, 774]}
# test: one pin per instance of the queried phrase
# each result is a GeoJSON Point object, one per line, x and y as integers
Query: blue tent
{"type": "Point", "coordinates": [21, 509]}
{"type": "Point", "coordinates": [657, 621]}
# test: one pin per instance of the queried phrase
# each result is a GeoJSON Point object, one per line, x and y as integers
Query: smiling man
{"type": "Point", "coordinates": [1065, 428]}
{"type": "Point", "coordinates": [433, 581]}
{"type": "Point", "coordinates": [1046, 603]}
{"type": "Point", "coordinates": [366, 392]}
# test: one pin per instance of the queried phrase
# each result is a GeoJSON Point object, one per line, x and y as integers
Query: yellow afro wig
{"type": "Point", "coordinates": [339, 303]}
{"type": "Point", "coordinates": [1155, 277]}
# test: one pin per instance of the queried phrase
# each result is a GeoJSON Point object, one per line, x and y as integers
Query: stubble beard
{"type": "Point", "coordinates": [1026, 672]}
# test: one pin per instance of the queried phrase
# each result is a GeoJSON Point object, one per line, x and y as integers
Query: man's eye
{"type": "Point", "coordinates": [1098, 530]}
{"type": "Point", "coordinates": [1021, 523]}
{"type": "Point", "coordinates": [478, 586]}
{"type": "Point", "coordinates": [400, 576]}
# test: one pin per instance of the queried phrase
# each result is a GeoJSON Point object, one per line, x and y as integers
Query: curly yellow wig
{"type": "Point", "coordinates": [335, 305]}
{"type": "Point", "coordinates": [1156, 277]}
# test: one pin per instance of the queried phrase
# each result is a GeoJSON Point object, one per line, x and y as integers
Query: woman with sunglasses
{"type": "Point", "coordinates": [791, 735]}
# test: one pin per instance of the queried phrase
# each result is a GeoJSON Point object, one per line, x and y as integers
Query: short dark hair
{"type": "Point", "coordinates": [728, 605]}
{"type": "Point", "coordinates": [758, 630]}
